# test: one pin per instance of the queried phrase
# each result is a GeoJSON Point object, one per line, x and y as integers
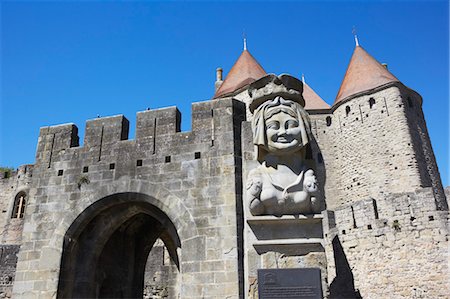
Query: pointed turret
{"type": "Point", "coordinates": [245, 71]}
{"type": "Point", "coordinates": [312, 100]}
{"type": "Point", "coordinates": [364, 73]}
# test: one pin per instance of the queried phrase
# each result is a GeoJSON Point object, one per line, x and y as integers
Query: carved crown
{"type": "Point", "coordinates": [271, 86]}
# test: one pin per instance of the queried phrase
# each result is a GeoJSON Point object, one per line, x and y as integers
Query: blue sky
{"type": "Point", "coordinates": [67, 62]}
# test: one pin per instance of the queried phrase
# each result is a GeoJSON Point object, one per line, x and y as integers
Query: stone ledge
{"type": "Point", "coordinates": [255, 220]}
{"type": "Point", "coordinates": [288, 227]}
{"type": "Point", "coordinates": [299, 246]}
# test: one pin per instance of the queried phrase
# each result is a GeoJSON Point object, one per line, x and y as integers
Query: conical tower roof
{"type": "Point", "coordinates": [245, 71]}
{"type": "Point", "coordinates": [363, 73]}
{"type": "Point", "coordinates": [312, 100]}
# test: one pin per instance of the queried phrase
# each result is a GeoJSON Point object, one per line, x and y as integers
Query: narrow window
{"type": "Point", "coordinates": [347, 110]}
{"type": "Point", "coordinates": [375, 208]}
{"type": "Point", "coordinates": [371, 102]}
{"type": "Point", "coordinates": [139, 163]}
{"type": "Point", "coordinates": [197, 155]}
{"type": "Point", "coordinates": [112, 166]}
{"type": "Point", "coordinates": [167, 159]}
{"type": "Point", "coordinates": [353, 216]}
{"type": "Point", "coordinates": [60, 172]}
{"type": "Point", "coordinates": [85, 169]}
{"type": "Point", "coordinates": [328, 119]}
{"type": "Point", "coordinates": [19, 205]}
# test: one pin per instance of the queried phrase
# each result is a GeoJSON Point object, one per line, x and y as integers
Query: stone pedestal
{"type": "Point", "coordinates": [290, 241]}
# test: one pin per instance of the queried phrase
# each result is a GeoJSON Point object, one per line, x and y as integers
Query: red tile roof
{"type": "Point", "coordinates": [245, 71]}
{"type": "Point", "coordinates": [312, 100]}
{"type": "Point", "coordinates": [363, 73]}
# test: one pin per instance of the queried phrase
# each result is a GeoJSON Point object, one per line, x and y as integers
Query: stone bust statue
{"type": "Point", "coordinates": [282, 184]}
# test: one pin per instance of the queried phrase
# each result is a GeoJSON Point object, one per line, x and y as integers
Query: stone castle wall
{"type": "Point", "coordinates": [368, 148]}
{"type": "Point", "coordinates": [395, 245]}
{"type": "Point", "coordinates": [11, 186]}
{"type": "Point", "coordinates": [161, 274]}
{"type": "Point", "coordinates": [8, 261]}
{"type": "Point", "coordinates": [422, 147]}
{"type": "Point", "coordinates": [387, 231]}
{"type": "Point", "coordinates": [193, 177]}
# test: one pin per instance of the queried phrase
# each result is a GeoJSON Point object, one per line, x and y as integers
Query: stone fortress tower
{"type": "Point", "coordinates": [167, 215]}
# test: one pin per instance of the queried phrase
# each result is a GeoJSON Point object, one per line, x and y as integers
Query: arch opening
{"type": "Point", "coordinates": [106, 248]}
{"type": "Point", "coordinates": [20, 202]}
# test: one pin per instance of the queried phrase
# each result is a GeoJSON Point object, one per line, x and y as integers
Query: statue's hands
{"type": "Point", "coordinates": [310, 186]}
{"type": "Point", "coordinates": [310, 182]}
{"type": "Point", "coordinates": [254, 187]}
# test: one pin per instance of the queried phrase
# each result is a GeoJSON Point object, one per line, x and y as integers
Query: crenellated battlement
{"type": "Point", "coordinates": [106, 130]}
{"type": "Point", "coordinates": [23, 172]}
{"type": "Point", "coordinates": [395, 212]}
{"type": "Point", "coordinates": [158, 141]}
{"type": "Point", "coordinates": [403, 232]}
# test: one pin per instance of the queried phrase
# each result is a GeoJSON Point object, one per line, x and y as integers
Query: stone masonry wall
{"type": "Point", "coordinates": [367, 148]}
{"type": "Point", "coordinates": [190, 176]}
{"type": "Point", "coordinates": [395, 247]}
{"type": "Point", "coordinates": [8, 261]}
{"type": "Point", "coordinates": [322, 152]}
{"type": "Point", "coordinates": [422, 146]}
{"type": "Point", "coordinates": [18, 182]}
{"type": "Point", "coordinates": [160, 274]}
{"type": "Point", "coordinates": [15, 184]}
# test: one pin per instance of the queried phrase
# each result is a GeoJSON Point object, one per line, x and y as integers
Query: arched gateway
{"type": "Point", "coordinates": [95, 211]}
{"type": "Point", "coordinates": [106, 248]}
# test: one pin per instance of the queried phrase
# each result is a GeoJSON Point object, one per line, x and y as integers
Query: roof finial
{"type": "Point", "coordinates": [303, 78]}
{"type": "Point", "coordinates": [244, 36]}
{"type": "Point", "coordinates": [356, 36]}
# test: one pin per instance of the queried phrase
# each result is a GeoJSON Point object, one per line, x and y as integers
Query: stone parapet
{"type": "Point", "coordinates": [396, 246]}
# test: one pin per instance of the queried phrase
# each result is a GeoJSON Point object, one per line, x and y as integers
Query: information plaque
{"type": "Point", "coordinates": [301, 283]}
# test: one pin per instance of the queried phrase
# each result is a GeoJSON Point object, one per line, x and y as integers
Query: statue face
{"type": "Point", "coordinates": [283, 133]}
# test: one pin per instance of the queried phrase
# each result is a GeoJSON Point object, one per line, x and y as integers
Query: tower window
{"type": "Point", "coordinates": [19, 205]}
{"type": "Point", "coordinates": [347, 110]}
{"type": "Point", "coordinates": [328, 119]}
{"type": "Point", "coordinates": [371, 102]}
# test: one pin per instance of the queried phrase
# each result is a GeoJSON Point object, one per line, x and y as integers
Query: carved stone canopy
{"type": "Point", "coordinates": [271, 86]}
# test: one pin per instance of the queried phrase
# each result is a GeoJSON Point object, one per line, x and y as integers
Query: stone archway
{"type": "Point", "coordinates": [106, 248]}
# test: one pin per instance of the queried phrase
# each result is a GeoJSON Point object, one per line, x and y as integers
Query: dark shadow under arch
{"type": "Point", "coordinates": [106, 248]}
